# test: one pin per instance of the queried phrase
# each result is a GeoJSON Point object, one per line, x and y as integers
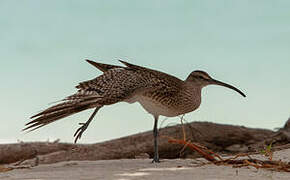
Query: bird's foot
{"type": "Point", "coordinates": [80, 130]}
{"type": "Point", "coordinates": [155, 159]}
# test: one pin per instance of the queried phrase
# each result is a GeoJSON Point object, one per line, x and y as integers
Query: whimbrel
{"type": "Point", "coordinates": [159, 93]}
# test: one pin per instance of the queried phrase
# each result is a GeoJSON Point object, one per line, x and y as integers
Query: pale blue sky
{"type": "Point", "coordinates": [43, 45]}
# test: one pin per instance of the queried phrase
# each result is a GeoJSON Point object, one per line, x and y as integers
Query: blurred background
{"type": "Point", "coordinates": [44, 44]}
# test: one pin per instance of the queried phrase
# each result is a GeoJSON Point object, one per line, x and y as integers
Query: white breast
{"type": "Point", "coordinates": [153, 107]}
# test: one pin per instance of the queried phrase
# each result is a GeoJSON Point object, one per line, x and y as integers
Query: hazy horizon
{"type": "Point", "coordinates": [44, 45]}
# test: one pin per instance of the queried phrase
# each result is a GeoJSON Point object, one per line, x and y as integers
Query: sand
{"type": "Point", "coordinates": [130, 169]}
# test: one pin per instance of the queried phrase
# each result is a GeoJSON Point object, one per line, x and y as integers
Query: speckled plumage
{"type": "Point", "coordinates": [130, 84]}
{"type": "Point", "coordinates": [159, 93]}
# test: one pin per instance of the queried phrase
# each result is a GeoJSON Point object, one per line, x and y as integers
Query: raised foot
{"type": "Point", "coordinates": [80, 130]}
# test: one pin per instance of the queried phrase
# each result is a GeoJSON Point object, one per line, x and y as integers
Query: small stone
{"type": "Point", "coordinates": [237, 148]}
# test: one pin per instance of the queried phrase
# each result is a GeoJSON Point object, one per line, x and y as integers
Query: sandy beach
{"type": "Point", "coordinates": [129, 169]}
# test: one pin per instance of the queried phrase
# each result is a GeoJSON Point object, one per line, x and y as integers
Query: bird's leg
{"type": "Point", "coordinates": [155, 135]}
{"type": "Point", "coordinates": [80, 130]}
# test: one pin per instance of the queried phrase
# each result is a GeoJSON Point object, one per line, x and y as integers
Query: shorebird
{"type": "Point", "coordinates": [159, 93]}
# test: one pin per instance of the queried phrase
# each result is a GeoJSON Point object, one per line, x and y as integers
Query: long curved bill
{"type": "Point", "coordinates": [228, 86]}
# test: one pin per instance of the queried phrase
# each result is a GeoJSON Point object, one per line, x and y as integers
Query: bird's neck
{"type": "Point", "coordinates": [192, 88]}
{"type": "Point", "coordinates": [193, 92]}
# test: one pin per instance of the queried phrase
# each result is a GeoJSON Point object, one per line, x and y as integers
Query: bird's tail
{"type": "Point", "coordinates": [69, 107]}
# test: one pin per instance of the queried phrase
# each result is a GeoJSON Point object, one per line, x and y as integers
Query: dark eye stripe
{"type": "Point", "coordinates": [201, 77]}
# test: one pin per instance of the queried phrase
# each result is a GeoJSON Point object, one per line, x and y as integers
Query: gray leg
{"type": "Point", "coordinates": [81, 130]}
{"type": "Point", "coordinates": [155, 135]}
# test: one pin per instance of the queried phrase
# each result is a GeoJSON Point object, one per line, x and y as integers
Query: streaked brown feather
{"type": "Point", "coordinates": [114, 85]}
{"type": "Point", "coordinates": [102, 67]}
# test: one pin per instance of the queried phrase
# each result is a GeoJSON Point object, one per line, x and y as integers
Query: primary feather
{"type": "Point", "coordinates": [116, 84]}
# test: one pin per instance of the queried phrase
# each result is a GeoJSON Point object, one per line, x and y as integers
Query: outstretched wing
{"type": "Point", "coordinates": [102, 67]}
{"type": "Point", "coordinates": [114, 85]}
{"type": "Point", "coordinates": [120, 83]}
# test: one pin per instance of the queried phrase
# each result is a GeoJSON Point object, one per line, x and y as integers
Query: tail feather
{"type": "Point", "coordinates": [83, 95]}
{"type": "Point", "coordinates": [49, 118]}
{"type": "Point", "coordinates": [59, 111]}
{"type": "Point", "coordinates": [71, 101]}
{"type": "Point", "coordinates": [52, 109]}
{"type": "Point", "coordinates": [50, 115]}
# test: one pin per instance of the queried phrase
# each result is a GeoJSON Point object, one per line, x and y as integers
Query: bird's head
{"type": "Point", "coordinates": [202, 79]}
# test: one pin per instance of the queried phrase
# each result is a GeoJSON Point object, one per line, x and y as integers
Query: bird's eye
{"type": "Point", "coordinates": [203, 78]}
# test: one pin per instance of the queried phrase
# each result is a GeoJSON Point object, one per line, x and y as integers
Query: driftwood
{"type": "Point", "coordinates": [217, 137]}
